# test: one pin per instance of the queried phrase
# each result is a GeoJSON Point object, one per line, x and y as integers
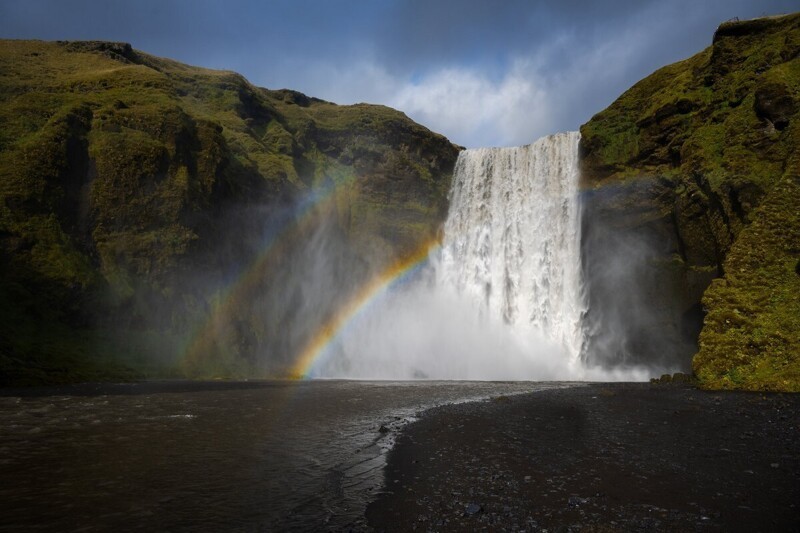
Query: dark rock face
{"type": "Point", "coordinates": [677, 170]}
{"type": "Point", "coordinates": [135, 191]}
{"type": "Point", "coordinates": [643, 303]}
{"type": "Point", "coordinates": [775, 102]}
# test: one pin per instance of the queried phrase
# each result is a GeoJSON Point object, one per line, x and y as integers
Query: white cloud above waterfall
{"type": "Point", "coordinates": [473, 108]}
{"type": "Point", "coordinates": [477, 110]}
{"type": "Point", "coordinates": [464, 104]}
{"type": "Point", "coordinates": [480, 72]}
{"type": "Point", "coordinates": [523, 105]}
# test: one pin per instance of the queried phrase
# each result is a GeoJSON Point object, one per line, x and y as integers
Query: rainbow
{"type": "Point", "coordinates": [203, 337]}
{"type": "Point", "coordinates": [368, 293]}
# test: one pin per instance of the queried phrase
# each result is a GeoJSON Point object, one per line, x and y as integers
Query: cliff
{"type": "Point", "coordinates": [158, 219]}
{"type": "Point", "coordinates": [133, 188]}
{"type": "Point", "coordinates": [693, 176]}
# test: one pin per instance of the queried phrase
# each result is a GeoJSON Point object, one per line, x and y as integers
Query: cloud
{"type": "Point", "coordinates": [529, 99]}
{"type": "Point", "coordinates": [556, 86]}
{"type": "Point", "coordinates": [464, 104]}
{"type": "Point", "coordinates": [482, 73]}
{"type": "Point", "coordinates": [506, 89]}
{"type": "Point", "coordinates": [472, 109]}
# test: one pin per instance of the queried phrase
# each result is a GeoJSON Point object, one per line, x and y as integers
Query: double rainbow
{"type": "Point", "coordinates": [203, 338]}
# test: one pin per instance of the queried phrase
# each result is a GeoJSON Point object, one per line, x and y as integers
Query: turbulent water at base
{"type": "Point", "coordinates": [512, 237]}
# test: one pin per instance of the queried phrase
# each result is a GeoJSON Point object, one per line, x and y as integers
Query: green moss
{"type": "Point", "coordinates": [720, 130]}
{"type": "Point", "coordinates": [698, 115]}
{"type": "Point", "coordinates": [751, 337]}
{"type": "Point", "coordinates": [117, 170]}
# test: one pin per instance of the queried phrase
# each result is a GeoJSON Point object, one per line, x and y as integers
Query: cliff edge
{"type": "Point", "coordinates": [701, 160]}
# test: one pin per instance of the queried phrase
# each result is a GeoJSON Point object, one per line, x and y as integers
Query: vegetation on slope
{"type": "Point", "coordinates": [751, 336]}
{"type": "Point", "coordinates": [123, 176]}
{"type": "Point", "coordinates": [718, 137]}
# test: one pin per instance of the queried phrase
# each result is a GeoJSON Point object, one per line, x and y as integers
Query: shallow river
{"type": "Point", "coordinates": [261, 456]}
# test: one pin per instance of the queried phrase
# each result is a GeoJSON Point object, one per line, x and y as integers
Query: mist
{"type": "Point", "coordinates": [640, 312]}
{"type": "Point", "coordinates": [425, 331]}
{"type": "Point", "coordinates": [504, 297]}
{"type": "Point", "coordinates": [421, 330]}
{"type": "Point", "coordinates": [532, 281]}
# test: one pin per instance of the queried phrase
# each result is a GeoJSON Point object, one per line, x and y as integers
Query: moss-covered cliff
{"type": "Point", "coordinates": [124, 175]}
{"type": "Point", "coordinates": [703, 159]}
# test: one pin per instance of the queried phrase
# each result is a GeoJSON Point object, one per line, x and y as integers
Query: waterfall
{"type": "Point", "coordinates": [502, 299]}
{"type": "Point", "coordinates": [512, 237]}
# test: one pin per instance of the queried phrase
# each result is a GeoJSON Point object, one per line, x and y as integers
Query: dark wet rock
{"type": "Point", "coordinates": [575, 501]}
{"type": "Point", "coordinates": [774, 102]}
{"type": "Point", "coordinates": [677, 378]}
{"type": "Point", "coordinates": [473, 509]}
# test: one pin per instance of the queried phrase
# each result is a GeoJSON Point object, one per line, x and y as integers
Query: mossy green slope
{"type": "Point", "coordinates": [751, 336]}
{"type": "Point", "coordinates": [721, 133]}
{"type": "Point", "coordinates": [118, 168]}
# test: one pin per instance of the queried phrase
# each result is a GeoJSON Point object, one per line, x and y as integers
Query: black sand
{"type": "Point", "coordinates": [619, 457]}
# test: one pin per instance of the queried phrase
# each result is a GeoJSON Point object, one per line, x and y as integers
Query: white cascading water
{"type": "Point", "coordinates": [512, 237]}
{"type": "Point", "coordinates": [503, 298]}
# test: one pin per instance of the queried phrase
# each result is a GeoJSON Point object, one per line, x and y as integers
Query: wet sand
{"type": "Point", "coordinates": [605, 457]}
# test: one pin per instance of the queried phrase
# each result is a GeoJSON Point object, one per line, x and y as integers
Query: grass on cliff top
{"type": "Point", "coordinates": [698, 116]}
{"type": "Point", "coordinates": [264, 128]}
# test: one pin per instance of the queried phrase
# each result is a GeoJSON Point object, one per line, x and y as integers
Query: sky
{"type": "Point", "coordinates": [483, 73]}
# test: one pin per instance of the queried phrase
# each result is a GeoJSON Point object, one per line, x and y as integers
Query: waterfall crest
{"type": "Point", "coordinates": [512, 237]}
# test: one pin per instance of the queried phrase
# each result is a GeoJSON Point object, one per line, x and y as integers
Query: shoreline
{"type": "Point", "coordinates": [565, 456]}
{"type": "Point", "coordinates": [157, 386]}
{"type": "Point", "coordinates": [282, 456]}
{"type": "Point", "coordinates": [601, 457]}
